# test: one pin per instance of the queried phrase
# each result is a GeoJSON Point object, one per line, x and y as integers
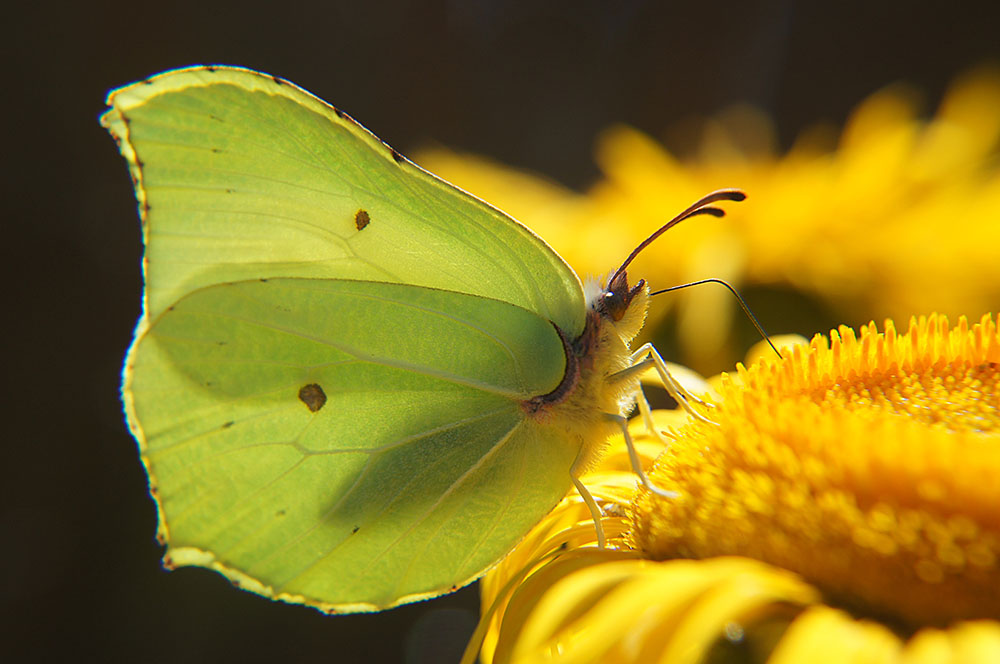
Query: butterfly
{"type": "Point", "coordinates": [353, 385]}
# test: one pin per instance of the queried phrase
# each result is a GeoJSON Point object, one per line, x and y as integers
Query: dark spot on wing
{"type": "Point", "coordinates": [212, 116]}
{"type": "Point", "coordinates": [361, 219]}
{"type": "Point", "coordinates": [221, 343]}
{"type": "Point", "coordinates": [210, 69]}
{"type": "Point", "coordinates": [280, 513]}
{"type": "Point", "coordinates": [216, 150]}
{"type": "Point", "coordinates": [396, 156]}
{"type": "Point", "coordinates": [263, 280]}
{"type": "Point", "coordinates": [168, 562]}
{"type": "Point", "coordinates": [160, 539]}
{"type": "Point", "coordinates": [235, 582]}
{"type": "Point", "coordinates": [340, 113]}
{"type": "Point", "coordinates": [356, 529]}
{"type": "Point", "coordinates": [228, 424]}
{"type": "Point", "coordinates": [230, 191]}
{"type": "Point", "coordinates": [313, 396]}
{"type": "Point", "coordinates": [278, 80]}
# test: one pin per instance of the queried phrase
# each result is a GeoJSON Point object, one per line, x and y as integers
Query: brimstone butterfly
{"type": "Point", "coordinates": [353, 385]}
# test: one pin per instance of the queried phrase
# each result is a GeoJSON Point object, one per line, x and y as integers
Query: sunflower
{"type": "Point", "coordinates": [844, 506]}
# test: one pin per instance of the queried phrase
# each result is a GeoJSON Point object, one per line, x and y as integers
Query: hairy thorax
{"type": "Point", "coordinates": [594, 392]}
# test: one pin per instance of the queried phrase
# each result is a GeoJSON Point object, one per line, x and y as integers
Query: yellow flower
{"type": "Point", "coordinates": [845, 507]}
{"type": "Point", "coordinates": [884, 223]}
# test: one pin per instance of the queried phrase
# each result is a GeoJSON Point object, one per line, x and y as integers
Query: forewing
{"type": "Point", "coordinates": [349, 445]}
{"type": "Point", "coordinates": [240, 175]}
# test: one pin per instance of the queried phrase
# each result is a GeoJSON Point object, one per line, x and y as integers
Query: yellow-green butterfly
{"type": "Point", "coordinates": [353, 385]}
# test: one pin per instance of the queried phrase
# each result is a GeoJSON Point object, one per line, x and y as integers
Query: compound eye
{"type": "Point", "coordinates": [614, 305]}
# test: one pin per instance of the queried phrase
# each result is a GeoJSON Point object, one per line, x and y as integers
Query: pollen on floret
{"type": "Point", "coordinates": [868, 463]}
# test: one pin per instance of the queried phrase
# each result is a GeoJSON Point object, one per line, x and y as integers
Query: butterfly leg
{"type": "Point", "coordinates": [595, 511]}
{"type": "Point", "coordinates": [647, 417]}
{"type": "Point", "coordinates": [640, 398]}
{"type": "Point", "coordinates": [649, 350]}
{"type": "Point", "coordinates": [633, 458]}
{"type": "Point", "coordinates": [646, 356]}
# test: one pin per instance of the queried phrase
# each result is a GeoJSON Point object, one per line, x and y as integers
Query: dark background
{"type": "Point", "coordinates": [527, 83]}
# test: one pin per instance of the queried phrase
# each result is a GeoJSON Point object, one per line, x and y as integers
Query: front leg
{"type": "Point", "coordinates": [646, 356]}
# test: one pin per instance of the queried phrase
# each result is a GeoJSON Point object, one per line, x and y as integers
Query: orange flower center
{"type": "Point", "coordinates": [870, 466]}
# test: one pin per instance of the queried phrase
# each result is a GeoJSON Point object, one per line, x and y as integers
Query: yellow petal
{"type": "Point", "coordinates": [823, 635]}
{"type": "Point", "coordinates": [641, 611]}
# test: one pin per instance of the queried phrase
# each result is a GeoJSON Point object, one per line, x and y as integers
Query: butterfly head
{"type": "Point", "coordinates": [622, 306]}
{"type": "Point", "coordinates": [625, 306]}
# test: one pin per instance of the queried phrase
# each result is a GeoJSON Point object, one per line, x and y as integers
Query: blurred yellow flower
{"type": "Point", "coordinates": [845, 508]}
{"type": "Point", "coordinates": [888, 222]}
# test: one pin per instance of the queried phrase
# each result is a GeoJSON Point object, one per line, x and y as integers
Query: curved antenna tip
{"type": "Point", "coordinates": [735, 195]}
{"type": "Point", "coordinates": [702, 206]}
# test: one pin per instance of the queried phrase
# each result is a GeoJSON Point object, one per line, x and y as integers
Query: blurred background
{"type": "Point", "coordinates": [864, 132]}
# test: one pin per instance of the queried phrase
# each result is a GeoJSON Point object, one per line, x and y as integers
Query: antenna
{"type": "Point", "coordinates": [746, 308]}
{"type": "Point", "coordinates": [699, 207]}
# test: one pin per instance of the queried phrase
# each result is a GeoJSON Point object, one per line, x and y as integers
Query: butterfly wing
{"type": "Point", "coordinates": [299, 444]}
{"type": "Point", "coordinates": [241, 175]}
{"type": "Point", "coordinates": [326, 384]}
